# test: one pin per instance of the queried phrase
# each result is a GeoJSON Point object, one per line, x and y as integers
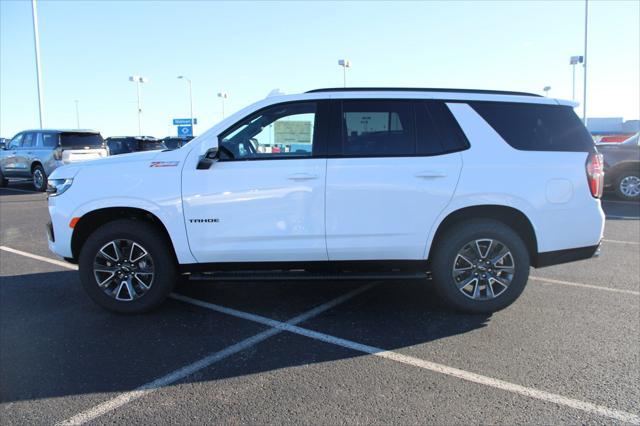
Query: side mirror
{"type": "Point", "coordinates": [207, 160]}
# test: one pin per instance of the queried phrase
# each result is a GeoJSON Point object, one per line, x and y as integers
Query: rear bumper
{"type": "Point", "coordinates": [557, 257]}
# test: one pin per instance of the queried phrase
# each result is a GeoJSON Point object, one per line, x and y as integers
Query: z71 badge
{"type": "Point", "coordinates": [163, 163]}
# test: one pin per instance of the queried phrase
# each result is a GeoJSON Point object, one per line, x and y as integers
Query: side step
{"type": "Point", "coordinates": [306, 275]}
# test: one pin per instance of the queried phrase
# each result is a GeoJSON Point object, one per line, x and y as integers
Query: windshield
{"type": "Point", "coordinates": [81, 139]}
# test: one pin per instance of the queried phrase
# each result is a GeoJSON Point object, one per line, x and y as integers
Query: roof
{"type": "Point", "coordinates": [61, 130]}
{"type": "Point", "coordinates": [421, 89]}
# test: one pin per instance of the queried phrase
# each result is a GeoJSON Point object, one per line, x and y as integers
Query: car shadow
{"type": "Point", "coordinates": [55, 342]}
{"type": "Point", "coordinates": [621, 210]}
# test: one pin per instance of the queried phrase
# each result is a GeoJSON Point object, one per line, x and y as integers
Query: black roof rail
{"type": "Point", "coordinates": [421, 89]}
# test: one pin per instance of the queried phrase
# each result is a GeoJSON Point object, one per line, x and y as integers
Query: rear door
{"type": "Point", "coordinates": [263, 200]}
{"type": "Point", "coordinates": [396, 169]}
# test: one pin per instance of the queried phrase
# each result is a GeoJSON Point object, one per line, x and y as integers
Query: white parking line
{"type": "Point", "coordinates": [290, 326]}
{"type": "Point", "coordinates": [635, 243]}
{"type": "Point", "coordinates": [40, 258]}
{"type": "Point", "coordinates": [594, 287]}
{"type": "Point", "coordinates": [611, 216]}
{"type": "Point", "coordinates": [425, 365]}
{"type": "Point", "coordinates": [126, 397]}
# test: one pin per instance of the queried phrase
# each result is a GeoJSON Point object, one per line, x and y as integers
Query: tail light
{"type": "Point", "coordinates": [57, 153]}
{"type": "Point", "coordinates": [595, 174]}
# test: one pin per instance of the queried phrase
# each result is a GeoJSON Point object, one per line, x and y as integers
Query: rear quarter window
{"type": "Point", "coordinates": [533, 127]}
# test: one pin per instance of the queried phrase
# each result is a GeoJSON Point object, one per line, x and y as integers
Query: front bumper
{"type": "Point", "coordinates": [558, 257]}
{"type": "Point", "coordinates": [58, 231]}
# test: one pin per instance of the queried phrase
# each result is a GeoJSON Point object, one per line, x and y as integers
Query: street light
{"type": "Point", "coordinates": [36, 42]}
{"type": "Point", "coordinates": [546, 90]}
{"type": "Point", "coordinates": [138, 80]}
{"type": "Point", "coordinates": [223, 96]}
{"type": "Point", "coordinates": [573, 61]}
{"type": "Point", "coordinates": [77, 114]}
{"type": "Point", "coordinates": [182, 77]}
{"type": "Point", "coordinates": [584, 64]}
{"type": "Point", "coordinates": [344, 63]}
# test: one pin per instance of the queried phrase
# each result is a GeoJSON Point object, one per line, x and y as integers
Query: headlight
{"type": "Point", "coordinates": [56, 187]}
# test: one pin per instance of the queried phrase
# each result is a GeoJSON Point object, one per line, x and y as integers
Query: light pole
{"type": "Point", "coordinates": [138, 80]}
{"type": "Point", "coordinates": [344, 63]}
{"type": "Point", "coordinates": [223, 96]}
{"type": "Point", "coordinates": [182, 77]}
{"type": "Point", "coordinates": [77, 114]}
{"type": "Point", "coordinates": [36, 40]}
{"type": "Point", "coordinates": [584, 64]}
{"type": "Point", "coordinates": [546, 90]}
{"type": "Point", "coordinates": [573, 61]}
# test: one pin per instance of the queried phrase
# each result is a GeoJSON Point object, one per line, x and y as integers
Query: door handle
{"type": "Point", "coordinates": [431, 174]}
{"type": "Point", "coordinates": [302, 176]}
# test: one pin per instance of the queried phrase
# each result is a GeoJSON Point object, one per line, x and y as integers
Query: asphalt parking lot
{"type": "Point", "coordinates": [568, 351]}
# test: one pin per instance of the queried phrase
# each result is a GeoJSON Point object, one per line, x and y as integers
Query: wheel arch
{"type": "Point", "coordinates": [510, 216]}
{"type": "Point", "coordinates": [90, 221]}
{"type": "Point", "coordinates": [36, 164]}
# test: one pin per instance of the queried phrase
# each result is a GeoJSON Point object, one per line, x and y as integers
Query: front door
{"type": "Point", "coordinates": [395, 174]}
{"type": "Point", "coordinates": [9, 155]}
{"type": "Point", "coordinates": [24, 154]}
{"type": "Point", "coordinates": [264, 199]}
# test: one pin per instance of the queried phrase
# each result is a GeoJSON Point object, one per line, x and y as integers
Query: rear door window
{"type": "Point", "coordinates": [378, 128]}
{"type": "Point", "coordinates": [77, 140]}
{"type": "Point", "coordinates": [533, 127]}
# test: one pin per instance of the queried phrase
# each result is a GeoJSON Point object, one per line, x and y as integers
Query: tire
{"type": "Point", "coordinates": [627, 185]}
{"type": "Point", "coordinates": [115, 295]}
{"type": "Point", "coordinates": [446, 263]}
{"type": "Point", "coordinates": [39, 178]}
{"type": "Point", "coordinates": [3, 180]}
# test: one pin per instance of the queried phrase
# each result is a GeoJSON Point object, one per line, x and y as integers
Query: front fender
{"type": "Point", "coordinates": [169, 213]}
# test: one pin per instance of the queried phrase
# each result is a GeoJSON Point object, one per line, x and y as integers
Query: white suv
{"type": "Point", "coordinates": [472, 186]}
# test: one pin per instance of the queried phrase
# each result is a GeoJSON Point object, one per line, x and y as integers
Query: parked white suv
{"type": "Point", "coordinates": [472, 186]}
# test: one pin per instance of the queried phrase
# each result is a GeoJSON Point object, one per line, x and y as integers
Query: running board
{"type": "Point", "coordinates": [305, 276]}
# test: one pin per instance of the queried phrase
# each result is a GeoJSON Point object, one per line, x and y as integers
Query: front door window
{"type": "Point", "coordinates": [282, 131]}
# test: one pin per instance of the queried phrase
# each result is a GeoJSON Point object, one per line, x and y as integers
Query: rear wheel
{"type": "Point", "coordinates": [628, 185]}
{"type": "Point", "coordinates": [480, 266]}
{"type": "Point", "coordinates": [127, 266]}
{"type": "Point", "coordinates": [39, 178]}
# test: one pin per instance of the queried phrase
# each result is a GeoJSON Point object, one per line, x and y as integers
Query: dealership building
{"type": "Point", "coordinates": [612, 129]}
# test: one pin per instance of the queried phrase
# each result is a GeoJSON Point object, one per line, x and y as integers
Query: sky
{"type": "Point", "coordinates": [90, 48]}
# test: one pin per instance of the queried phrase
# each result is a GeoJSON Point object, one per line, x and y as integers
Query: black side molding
{"type": "Point", "coordinates": [321, 266]}
{"type": "Point", "coordinates": [558, 257]}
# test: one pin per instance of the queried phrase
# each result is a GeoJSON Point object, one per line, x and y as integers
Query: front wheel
{"type": "Point", "coordinates": [39, 179]}
{"type": "Point", "coordinates": [127, 266]}
{"type": "Point", "coordinates": [628, 185]}
{"type": "Point", "coordinates": [480, 266]}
